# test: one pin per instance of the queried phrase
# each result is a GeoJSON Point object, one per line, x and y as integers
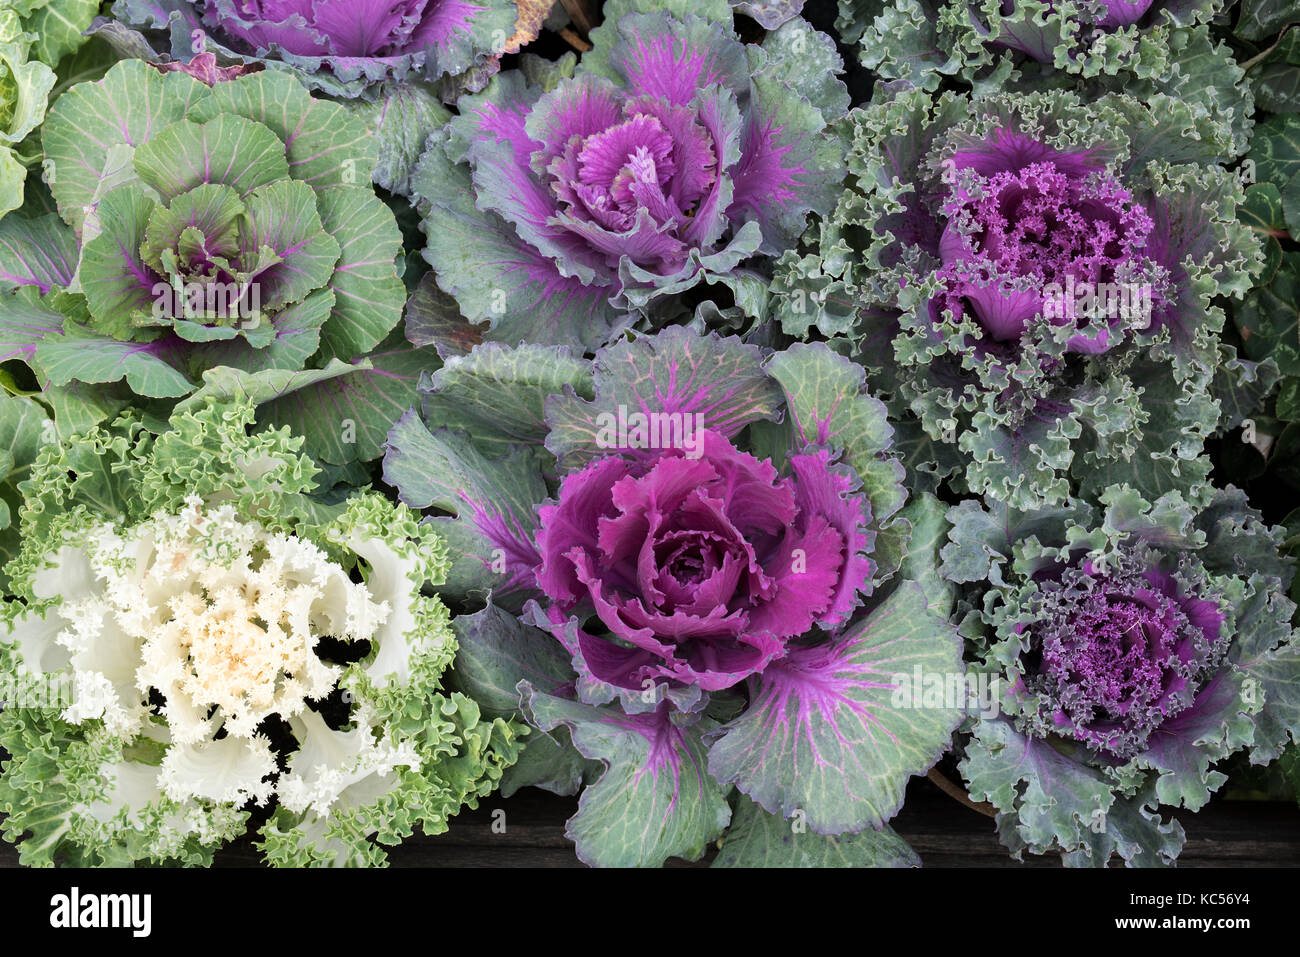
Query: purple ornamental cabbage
{"type": "Point", "coordinates": [662, 558]}
{"type": "Point", "coordinates": [677, 155]}
{"type": "Point", "coordinates": [1131, 647]}
{"type": "Point", "coordinates": [1140, 47]}
{"type": "Point", "coordinates": [701, 568]}
{"type": "Point", "coordinates": [1035, 276]}
{"type": "Point", "coordinates": [1031, 226]}
{"type": "Point", "coordinates": [1121, 652]}
{"type": "Point", "coordinates": [342, 47]}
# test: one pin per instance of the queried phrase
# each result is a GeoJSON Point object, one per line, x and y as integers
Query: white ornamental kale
{"type": "Point", "coordinates": [213, 640]}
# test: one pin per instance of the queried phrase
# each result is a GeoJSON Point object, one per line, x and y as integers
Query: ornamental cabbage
{"type": "Point", "coordinates": [702, 567]}
{"type": "Point", "coordinates": [1142, 47]}
{"type": "Point", "coordinates": [194, 636]}
{"type": "Point", "coordinates": [341, 47]}
{"type": "Point", "coordinates": [1134, 645]}
{"type": "Point", "coordinates": [1031, 277]}
{"type": "Point", "coordinates": [676, 156]}
{"type": "Point", "coordinates": [661, 559]}
{"type": "Point", "coordinates": [230, 225]}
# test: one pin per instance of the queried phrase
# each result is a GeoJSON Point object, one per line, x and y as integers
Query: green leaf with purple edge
{"type": "Point", "coordinates": [493, 498]}
{"type": "Point", "coordinates": [497, 394]}
{"type": "Point", "coordinates": [654, 801]}
{"type": "Point", "coordinates": [831, 730]}
{"type": "Point", "coordinates": [1216, 724]}
{"type": "Point", "coordinates": [759, 839]}
{"type": "Point", "coordinates": [494, 276]}
{"type": "Point", "coordinates": [674, 371]}
{"type": "Point", "coordinates": [40, 252]}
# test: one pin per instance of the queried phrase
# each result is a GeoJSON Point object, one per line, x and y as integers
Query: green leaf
{"type": "Point", "coordinates": [1259, 19]}
{"type": "Point", "coordinates": [674, 372]}
{"type": "Point", "coordinates": [834, 730]}
{"type": "Point", "coordinates": [1267, 651]}
{"type": "Point", "coordinates": [58, 26]}
{"type": "Point", "coordinates": [150, 369]}
{"type": "Point", "coordinates": [759, 839]}
{"type": "Point", "coordinates": [131, 104]}
{"type": "Point", "coordinates": [24, 427]}
{"type": "Point", "coordinates": [368, 295]}
{"type": "Point", "coordinates": [654, 800]}
{"type": "Point", "coordinates": [400, 118]}
{"type": "Point", "coordinates": [433, 319]}
{"type": "Point", "coordinates": [1045, 799]}
{"type": "Point", "coordinates": [113, 271]}
{"type": "Point", "coordinates": [926, 518]}
{"type": "Point", "coordinates": [325, 145]}
{"type": "Point", "coordinates": [829, 407]}
{"type": "Point", "coordinates": [228, 149]}
{"type": "Point", "coordinates": [1262, 212]}
{"type": "Point", "coordinates": [495, 651]}
{"type": "Point", "coordinates": [498, 395]}
{"type": "Point", "coordinates": [295, 337]}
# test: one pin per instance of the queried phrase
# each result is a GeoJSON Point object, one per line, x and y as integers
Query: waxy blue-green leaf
{"type": "Point", "coordinates": [720, 380]}
{"type": "Point", "coordinates": [834, 730]}
{"type": "Point", "coordinates": [498, 394]}
{"type": "Point", "coordinates": [758, 839]}
{"type": "Point", "coordinates": [654, 800]}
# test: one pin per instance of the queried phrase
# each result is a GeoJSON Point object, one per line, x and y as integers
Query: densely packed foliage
{"type": "Point", "coordinates": [722, 411]}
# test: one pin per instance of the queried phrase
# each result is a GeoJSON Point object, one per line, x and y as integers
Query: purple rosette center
{"type": "Point", "coordinates": [1116, 654]}
{"type": "Point", "coordinates": [1035, 235]}
{"type": "Point", "coordinates": [701, 567]}
{"type": "Point", "coordinates": [633, 181]}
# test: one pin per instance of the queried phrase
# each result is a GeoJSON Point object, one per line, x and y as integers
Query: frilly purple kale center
{"type": "Point", "coordinates": [1036, 234]}
{"type": "Point", "coordinates": [1118, 651]}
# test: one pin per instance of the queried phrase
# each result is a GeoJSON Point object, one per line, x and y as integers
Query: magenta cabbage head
{"type": "Point", "coordinates": [700, 569]}
{"type": "Point", "coordinates": [344, 28]}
